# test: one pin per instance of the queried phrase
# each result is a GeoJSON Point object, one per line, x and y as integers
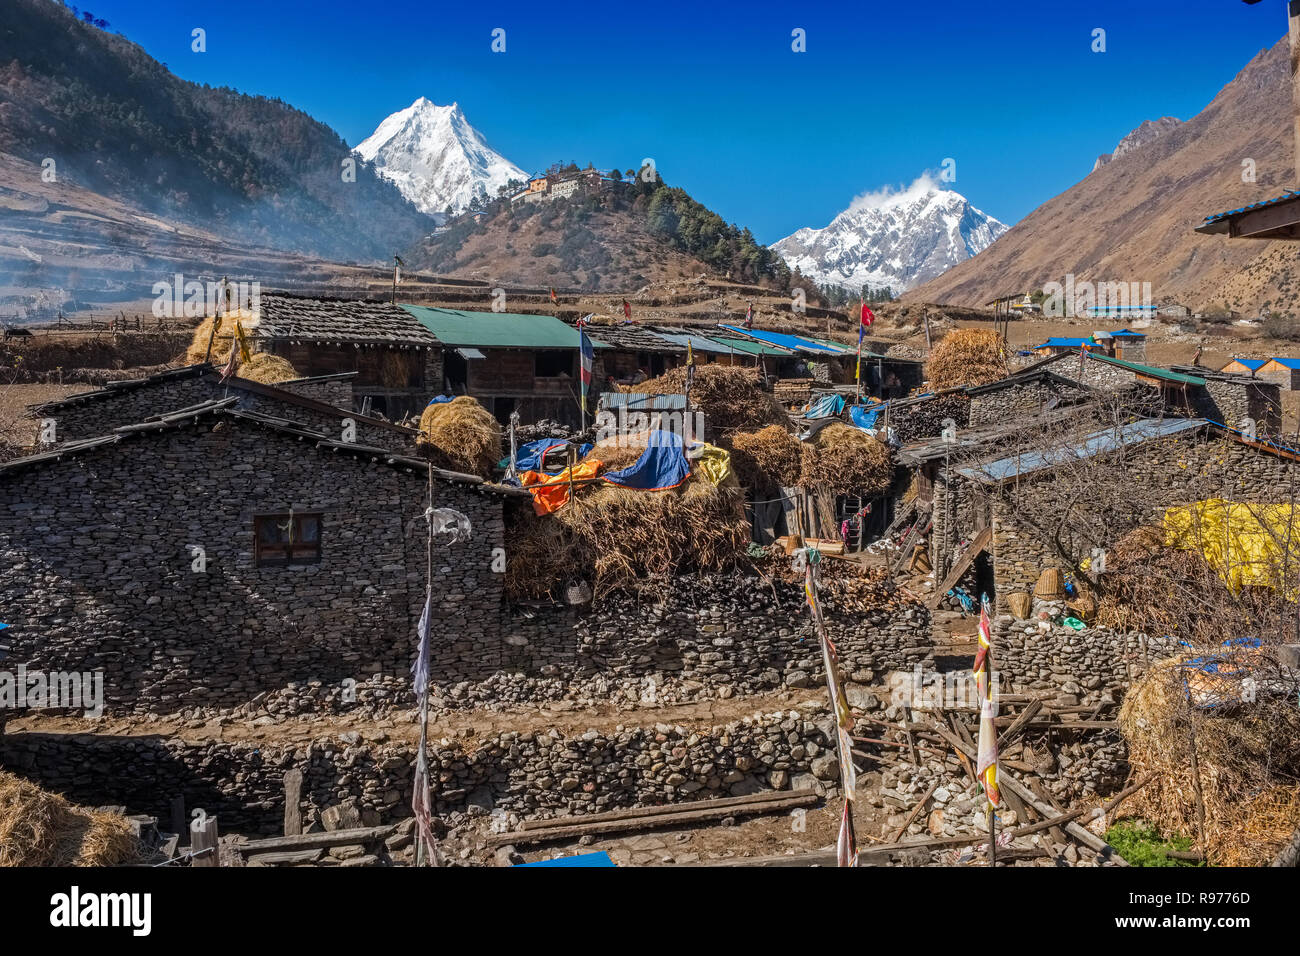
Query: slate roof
{"type": "Point", "coordinates": [224, 408]}
{"type": "Point", "coordinates": [354, 321]}
{"type": "Point", "coordinates": [633, 338]}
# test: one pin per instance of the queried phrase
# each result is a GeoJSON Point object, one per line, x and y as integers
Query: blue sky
{"type": "Point", "coordinates": [767, 137]}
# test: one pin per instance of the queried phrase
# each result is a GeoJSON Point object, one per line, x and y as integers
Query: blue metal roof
{"type": "Point", "coordinates": [1284, 362]}
{"type": "Point", "coordinates": [1097, 443]}
{"type": "Point", "coordinates": [1127, 333]}
{"type": "Point", "coordinates": [1253, 364]}
{"type": "Point", "coordinates": [793, 342]}
{"type": "Point", "coordinates": [1220, 216]}
{"type": "Point", "coordinates": [1057, 343]}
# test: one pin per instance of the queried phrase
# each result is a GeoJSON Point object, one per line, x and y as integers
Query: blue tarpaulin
{"type": "Point", "coordinates": [865, 417]}
{"type": "Point", "coordinates": [662, 465]}
{"type": "Point", "coordinates": [529, 456]}
{"type": "Point", "coordinates": [828, 406]}
{"type": "Point", "coordinates": [580, 859]}
{"type": "Point", "coordinates": [441, 399]}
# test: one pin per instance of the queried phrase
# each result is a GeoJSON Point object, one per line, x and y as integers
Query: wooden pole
{"type": "Point", "coordinates": [204, 843]}
{"type": "Point", "coordinates": [1293, 36]}
{"type": "Point", "coordinates": [292, 802]}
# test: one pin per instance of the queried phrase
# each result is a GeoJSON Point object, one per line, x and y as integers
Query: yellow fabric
{"type": "Point", "coordinates": [1249, 545]}
{"type": "Point", "coordinates": [713, 463]}
{"type": "Point", "coordinates": [551, 493]}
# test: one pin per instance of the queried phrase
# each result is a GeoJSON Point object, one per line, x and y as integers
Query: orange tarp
{"type": "Point", "coordinates": [551, 492]}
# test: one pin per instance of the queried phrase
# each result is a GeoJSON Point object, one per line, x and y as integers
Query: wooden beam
{"type": "Point", "coordinates": [982, 541]}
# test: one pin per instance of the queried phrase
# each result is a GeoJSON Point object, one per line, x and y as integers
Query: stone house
{"type": "Point", "coordinates": [397, 361]}
{"type": "Point", "coordinates": [207, 556]}
{"type": "Point", "coordinates": [94, 413]}
{"type": "Point", "coordinates": [511, 361]}
{"type": "Point", "coordinates": [1028, 393]}
{"type": "Point", "coordinates": [1283, 372]}
{"type": "Point", "coordinates": [1165, 463]}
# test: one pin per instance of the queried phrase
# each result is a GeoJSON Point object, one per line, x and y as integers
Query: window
{"type": "Point", "coordinates": [285, 539]}
{"type": "Point", "coordinates": [554, 364]}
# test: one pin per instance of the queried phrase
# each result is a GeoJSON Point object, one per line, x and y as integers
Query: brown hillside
{"type": "Point", "coordinates": [1131, 220]}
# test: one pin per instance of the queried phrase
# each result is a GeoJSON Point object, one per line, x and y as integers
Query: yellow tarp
{"type": "Point", "coordinates": [1249, 545]}
{"type": "Point", "coordinates": [714, 463]}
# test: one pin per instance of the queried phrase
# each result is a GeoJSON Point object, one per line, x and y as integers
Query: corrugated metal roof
{"type": "Point", "coordinates": [1219, 219]}
{"type": "Point", "coordinates": [1149, 370]}
{"type": "Point", "coordinates": [1252, 364]}
{"type": "Point", "coordinates": [751, 347]}
{"type": "Point", "coordinates": [633, 338]}
{"type": "Point", "coordinates": [698, 342]}
{"type": "Point", "coordinates": [640, 401]}
{"type": "Point", "coordinates": [1289, 363]}
{"type": "Point", "coordinates": [1097, 443]}
{"type": "Point", "coordinates": [793, 342]}
{"type": "Point", "coordinates": [1063, 343]}
{"type": "Point", "coordinates": [498, 330]}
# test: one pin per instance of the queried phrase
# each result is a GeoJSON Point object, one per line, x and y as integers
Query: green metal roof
{"type": "Point", "coordinates": [498, 330]}
{"type": "Point", "coordinates": [1148, 370]}
{"type": "Point", "coordinates": [750, 347]}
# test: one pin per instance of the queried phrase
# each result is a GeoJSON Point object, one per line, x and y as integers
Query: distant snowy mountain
{"type": "Point", "coordinates": [895, 238]}
{"type": "Point", "coordinates": [436, 158]}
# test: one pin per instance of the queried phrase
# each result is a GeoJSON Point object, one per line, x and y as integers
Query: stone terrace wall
{"type": "Point", "coordinates": [96, 568]}
{"type": "Point", "coordinates": [531, 774]}
{"type": "Point", "coordinates": [711, 637]}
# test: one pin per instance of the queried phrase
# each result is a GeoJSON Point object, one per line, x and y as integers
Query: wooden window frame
{"type": "Point", "coordinates": [289, 555]}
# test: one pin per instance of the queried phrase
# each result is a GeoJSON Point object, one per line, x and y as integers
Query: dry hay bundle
{"type": "Point", "coordinates": [770, 457]}
{"type": "Point", "coordinates": [1149, 587]}
{"type": "Point", "coordinates": [849, 461]}
{"type": "Point", "coordinates": [267, 368]}
{"type": "Point", "coordinates": [618, 538]}
{"type": "Point", "coordinates": [198, 349]}
{"type": "Point", "coordinates": [1247, 755]}
{"type": "Point", "coordinates": [461, 435]}
{"type": "Point", "coordinates": [967, 357]}
{"type": "Point", "coordinates": [38, 828]}
{"type": "Point", "coordinates": [729, 396]}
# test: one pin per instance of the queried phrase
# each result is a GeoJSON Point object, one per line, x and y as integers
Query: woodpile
{"type": "Point", "coordinates": [793, 391]}
{"type": "Point", "coordinates": [925, 419]}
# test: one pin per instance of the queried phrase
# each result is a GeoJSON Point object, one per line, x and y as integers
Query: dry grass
{"type": "Point", "coordinates": [198, 349]}
{"type": "Point", "coordinates": [848, 460]}
{"type": "Point", "coordinates": [728, 395]}
{"type": "Point", "coordinates": [38, 828]}
{"type": "Point", "coordinates": [1248, 757]}
{"type": "Point", "coordinates": [267, 368]}
{"type": "Point", "coordinates": [461, 435]}
{"type": "Point", "coordinates": [967, 357]}
{"type": "Point", "coordinates": [766, 459]}
{"type": "Point", "coordinates": [622, 539]}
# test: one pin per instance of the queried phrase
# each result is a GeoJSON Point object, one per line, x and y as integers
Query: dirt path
{"type": "Point", "coordinates": [467, 724]}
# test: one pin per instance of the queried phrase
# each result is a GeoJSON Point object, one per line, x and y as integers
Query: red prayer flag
{"type": "Point", "coordinates": [553, 298]}
{"type": "Point", "coordinates": [867, 315]}
{"type": "Point", "coordinates": [627, 310]}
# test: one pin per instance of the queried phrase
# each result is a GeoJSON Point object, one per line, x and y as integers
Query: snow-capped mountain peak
{"type": "Point", "coordinates": [436, 158]}
{"type": "Point", "coordinates": [893, 237]}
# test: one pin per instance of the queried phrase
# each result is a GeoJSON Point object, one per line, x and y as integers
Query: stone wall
{"type": "Point", "coordinates": [336, 391]}
{"type": "Point", "coordinates": [96, 567]}
{"type": "Point", "coordinates": [1229, 402]}
{"type": "Point", "coordinates": [1006, 405]}
{"type": "Point", "coordinates": [528, 774]}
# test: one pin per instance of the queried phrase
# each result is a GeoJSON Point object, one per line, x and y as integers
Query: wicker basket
{"type": "Point", "coordinates": [1050, 586]}
{"type": "Point", "coordinates": [1020, 604]}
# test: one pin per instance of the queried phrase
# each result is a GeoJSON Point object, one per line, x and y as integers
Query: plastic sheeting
{"type": "Point", "coordinates": [662, 465]}
{"type": "Point", "coordinates": [865, 417]}
{"type": "Point", "coordinates": [712, 462]}
{"type": "Point", "coordinates": [1249, 545]}
{"type": "Point", "coordinates": [828, 406]}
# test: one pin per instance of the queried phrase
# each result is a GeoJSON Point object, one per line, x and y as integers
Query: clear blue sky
{"type": "Point", "coordinates": [767, 137]}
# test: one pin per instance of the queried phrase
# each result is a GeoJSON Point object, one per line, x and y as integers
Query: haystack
{"type": "Point", "coordinates": [849, 461]}
{"type": "Point", "coordinates": [728, 395]}
{"type": "Point", "coordinates": [1247, 755]}
{"type": "Point", "coordinates": [38, 828]}
{"type": "Point", "coordinates": [198, 349]}
{"type": "Point", "coordinates": [618, 538]}
{"type": "Point", "coordinates": [267, 368]}
{"type": "Point", "coordinates": [461, 435]}
{"type": "Point", "coordinates": [967, 357]}
{"type": "Point", "coordinates": [768, 458]}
